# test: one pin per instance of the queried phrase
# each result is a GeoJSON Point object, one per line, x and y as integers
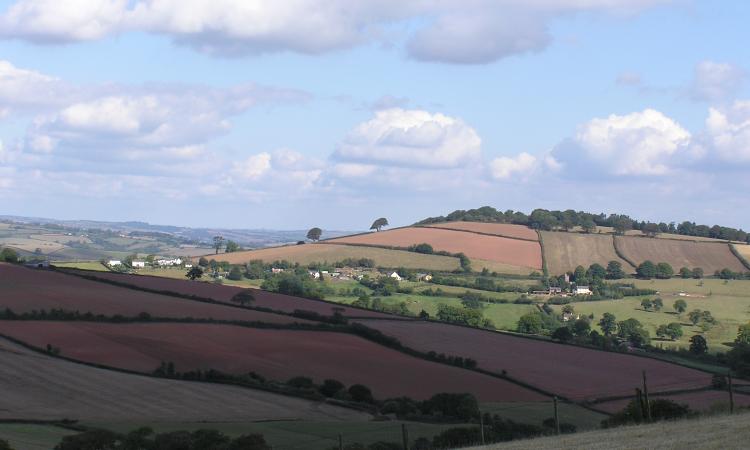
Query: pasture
{"type": "Point", "coordinates": [497, 229]}
{"type": "Point", "coordinates": [475, 246]}
{"type": "Point", "coordinates": [26, 436]}
{"type": "Point", "coordinates": [83, 265]}
{"type": "Point", "coordinates": [708, 256]}
{"type": "Point", "coordinates": [563, 252]}
{"type": "Point", "coordinates": [328, 253]}
{"type": "Point", "coordinates": [274, 354]}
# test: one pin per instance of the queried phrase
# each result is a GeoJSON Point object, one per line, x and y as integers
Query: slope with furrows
{"type": "Point", "coordinates": [496, 229]}
{"type": "Point", "coordinates": [563, 252]}
{"type": "Point", "coordinates": [706, 255]}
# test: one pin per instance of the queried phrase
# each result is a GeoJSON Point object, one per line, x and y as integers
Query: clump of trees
{"type": "Point", "coordinates": [145, 438]}
{"type": "Point", "coordinates": [739, 356]}
{"type": "Point", "coordinates": [672, 331]}
{"type": "Point", "coordinates": [635, 412]}
{"type": "Point", "coordinates": [9, 255]}
{"type": "Point", "coordinates": [648, 270]}
{"type": "Point", "coordinates": [463, 316]}
{"type": "Point", "coordinates": [297, 283]}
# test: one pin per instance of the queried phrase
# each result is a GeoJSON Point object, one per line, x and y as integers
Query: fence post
{"type": "Point", "coordinates": [341, 442]}
{"type": "Point", "coordinates": [639, 400]}
{"type": "Point", "coordinates": [557, 417]}
{"type": "Point", "coordinates": [405, 436]}
{"type": "Point", "coordinates": [731, 394]}
{"type": "Point", "coordinates": [481, 427]}
{"type": "Point", "coordinates": [645, 398]}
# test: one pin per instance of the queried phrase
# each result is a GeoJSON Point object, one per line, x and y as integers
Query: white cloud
{"type": "Point", "coordinates": [454, 31]}
{"type": "Point", "coordinates": [728, 132]}
{"type": "Point", "coordinates": [639, 143]}
{"type": "Point", "coordinates": [24, 89]}
{"type": "Point", "coordinates": [253, 167]}
{"type": "Point", "coordinates": [504, 167]}
{"type": "Point", "coordinates": [411, 138]}
{"type": "Point", "coordinates": [713, 81]}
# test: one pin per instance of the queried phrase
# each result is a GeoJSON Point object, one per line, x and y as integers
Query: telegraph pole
{"type": "Point", "coordinates": [405, 436]}
{"type": "Point", "coordinates": [731, 394]}
{"type": "Point", "coordinates": [645, 398]}
{"type": "Point", "coordinates": [481, 427]}
{"type": "Point", "coordinates": [557, 417]}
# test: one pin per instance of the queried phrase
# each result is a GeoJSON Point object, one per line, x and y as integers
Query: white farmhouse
{"type": "Point", "coordinates": [114, 262]}
{"type": "Point", "coordinates": [169, 262]}
{"type": "Point", "coordinates": [582, 290]}
{"type": "Point", "coordinates": [395, 276]}
{"type": "Point", "coordinates": [138, 264]}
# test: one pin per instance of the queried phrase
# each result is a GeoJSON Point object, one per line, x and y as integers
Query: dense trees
{"type": "Point", "coordinates": [379, 223]}
{"type": "Point", "coordinates": [646, 269]}
{"type": "Point", "coordinates": [194, 273]}
{"type": "Point", "coordinates": [314, 234]}
{"type": "Point", "coordinates": [633, 331]}
{"type": "Point", "coordinates": [8, 255]}
{"type": "Point", "coordinates": [145, 439]}
{"type": "Point", "coordinates": [608, 323]}
{"type": "Point", "coordinates": [231, 247]}
{"type": "Point", "coordinates": [698, 345]}
{"type": "Point", "coordinates": [614, 271]}
{"type": "Point", "coordinates": [672, 331]}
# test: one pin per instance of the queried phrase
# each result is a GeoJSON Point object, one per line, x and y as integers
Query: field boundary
{"type": "Point", "coordinates": [476, 232]}
{"type": "Point", "coordinates": [545, 270]}
{"type": "Point", "coordinates": [739, 256]}
{"type": "Point", "coordinates": [621, 254]}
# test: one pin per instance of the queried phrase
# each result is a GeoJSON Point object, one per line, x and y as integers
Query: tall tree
{"type": "Point", "coordinates": [379, 223]}
{"type": "Point", "coordinates": [218, 243]}
{"type": "Point", "coordinates": [232, 247]}
{"type": "Point", "coordinates": [680, 306]}
{"type": "Point", "coordinates": [194, 273]}
{"type": "Point", "coordinates": [314, 234]}
{"type": "Point", "coordinates": [608, 323]}
{"type": "Point", "coordinates": [614, 270]}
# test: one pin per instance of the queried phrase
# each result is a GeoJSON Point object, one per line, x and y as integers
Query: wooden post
{"type": "Point", "coordinates": [405, 436]}
{"type": "Point", "coordinates": [341, 442]}
{"type": "Point", "coordinates": [645, 398]}
{"type": "Point", "coordinates": [481, 427]}
{"type": "Point", "coordinates": [639, 402]}
{"type": "Point", "coordinates": [731, 394]}
{"type": "Point", "coordinates": [557, 417]}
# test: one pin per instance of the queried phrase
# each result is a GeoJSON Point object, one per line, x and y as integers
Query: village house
{"type": "Point", "coordinates": [582, 290]}
{"type": "Point", "coordinates": [396, 276]}
{"type": "Point", "coordinates": [314, 273]}
{"type": "Point", "coordinates": [138, 264]}
{"type": "Point", "coordinates": [276, 270]}
{"type": "Point", "coordinates": [169, 262]}
{"type": "Point", "coordinates": [114, 262]}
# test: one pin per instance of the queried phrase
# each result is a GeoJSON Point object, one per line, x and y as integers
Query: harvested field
{"type": "Point", "coordinates": [709, 256]}
{"type": "Point", "coordinates": [698, 401]}
{"type": "Point", "coordinates": [275, 354]}
{"type": "Point", "coordinates": [30, 245]}
{"type": "Point", "coordinates": [312, 253]}
{"type": "Point", "coordinates": [743, 250]}
{"type": "Point", "coordinates": [27, 289]}
{"type": "Point", "coordinates": [221, 293]}
{"type": "Point", "coordinates": [574, 372]}
{"type": "Point", "coordinates": [566, 251]}
{"type": "Point", "coordinates": [476, 246]}
{"type": "Point", "coordinates": [38, 387]}
{"type": "Point", "coordinates": [497, 229]}
{"type": "Point", "coordinates": [477, 265]}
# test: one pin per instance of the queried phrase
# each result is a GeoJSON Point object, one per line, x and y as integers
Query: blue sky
{"type": "Point", "coordinates": [331, 113]}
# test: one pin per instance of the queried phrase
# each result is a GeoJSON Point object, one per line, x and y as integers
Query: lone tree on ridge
{"type": "Point", "coordinates": [379, 223]}
{"type": "Point", "coordinates": [314, 234]}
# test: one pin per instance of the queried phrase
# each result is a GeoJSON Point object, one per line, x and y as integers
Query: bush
{"type": "Point", "coordinates": [361, 393]}
{"type": "Point", "coordinates": [9, 255]}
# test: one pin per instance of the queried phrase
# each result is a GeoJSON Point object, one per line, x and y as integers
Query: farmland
{"type": "Point", "coordinates": [275, 354]}
{"type": "Point", "coordinates": [563, 252]}
{"type": "Point", "coordinates": [322, 253]}
{"type": "Point", "coordinates": [475, 246]}
{"type": "Point", "coordinates": [497, 229]}
{"type": "Point", "coordinates": [43, 388]}
{"type": "Point", "coordinates": [708, 256]}
{"type": "Point", "coordinates": [554, 367]}
{"type": "Point", "coordinates": [743, 250]}
{"type": "Point", "coordinates": [25, 290]}
{"type": "Point", "coordinates": [701, 400]}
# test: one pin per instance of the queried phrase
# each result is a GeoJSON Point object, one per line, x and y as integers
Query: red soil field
{"type": "Point", "coordinates": [25, 289]}
{"type": "Point", "coordinates": [498, 229]}
{"type": "Point", "coordinates": [707, 255]}
{"type": "Point", "coordinates": [699, 401]}
{"type": "Point", "coordinates": [221, 293]}
{"type": "Point", "coordinates": [275, 354]}
{"type": "Point", "coordinates": [490, 248]}
{"type": "Point", "coordinates": [574, 372]}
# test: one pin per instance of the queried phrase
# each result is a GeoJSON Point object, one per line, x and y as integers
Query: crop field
{"type": "Point", "coordinates": [565, 251]}
{"type": "Point", "coordinates": [24, 290]}
{"type": "Point", "coordinates": [23, 436]}
{"type": "Point", "coordinates": [743, 250]}
{"type": "Point", "coordinates": [476, 246]}
{"type": "Point", "coordinates": [497, 229]}
{"type": "Point", "coordinates": [45, 388]}
{"type": "Point", "coordinates": [708, 256]}
{"type": "Point", "coordinates": [574, 372]}
{"type": "Point", "coordinates": [275, 354]}
{"type": "Point", "coordinates": [321, 253]}
{"type": "Point", "coordinates": [84, 265]}
{"type": "Point", "coordinates": [31, 245]}
{"type": "Point", "coordinates": [221, 293]}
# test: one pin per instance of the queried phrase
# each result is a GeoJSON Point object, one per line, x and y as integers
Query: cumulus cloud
{"type": "Point", "coordinates": [639, 143]}
{"type": "Point", "coordinates": [28, 90]}
{"type": "Point", "coordinates": [454, 31]}
{"type": "Point", "coordinates": [253, 167]}
{"type": "Point", "coordinates": [411, 138]}
{"type": "Point", "coordinates": [714, 81]}
{"type": "Point", "coordinates": [504, 167]}
{"type": "Point", "coordinates": [728, 132]}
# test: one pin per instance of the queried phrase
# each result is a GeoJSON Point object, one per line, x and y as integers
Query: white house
{"type": "Point", "coordinates": [138, 264]}
{"type": "Point", "coordinates": [314, 273]}
{"type": "Point", "coordinates": [114, 262]}
{"type": "Point", "coordinates": [275, 270]}
{"type": "Point", "coordinates": [188, 266]}
{"type": "Point", "coordinates": [169, 262]}
{"type": "Point", "coordinates": [582, 290]}
{"type": "Point", "coordinates": [395, 276]}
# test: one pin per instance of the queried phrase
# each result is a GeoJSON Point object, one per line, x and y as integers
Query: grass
{"type": "Point", "coordinates": [717, 432]}
{"type": "Point", "coordinates": [296, 434]}
{"type": "Point", "coordinates": [706, 286]}
{"type": "Point", "coordinates": [536, 412]}
{"type": "Point", "coordinates": [23, 436]}
{"type": "Point", "coordinates": [84, 265]}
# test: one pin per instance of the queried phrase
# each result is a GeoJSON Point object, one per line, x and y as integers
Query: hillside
{"type": "Point", "coordinates": [718, 432]}
{"type": "Point", "coordinates": [563, 252]}
{"type": "Point", "coordinates": [707, 255]}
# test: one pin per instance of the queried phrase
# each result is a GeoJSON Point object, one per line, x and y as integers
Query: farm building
{"type": "Point", "coordinates": [582, 290]}
{"type": "Point", "coordinates": [114, 262]}
{"type": "Point", "coordinates": [138, 264]}
{"type": "Point", "coordinates": [276, 270]}
{"type": "Point", "coordinates": [396, 276]}
{"type": "Point", "coordinates": [169, 262]}
{"type": "Point", "coordinates": [423, 277]}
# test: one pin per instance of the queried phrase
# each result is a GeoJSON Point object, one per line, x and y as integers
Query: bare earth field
{"type": "Point", "coordinates": [566, 251]}
{"type": "Point", "coordinates": [24, 290]}
{"type": "Point", "coordinates": [709, 256]}
{"type": "Point", "coordinates": [574, 372]}
{"type": "Point", "coordinates": [320, 253]}
{"type": "Point", "coordinates": [275, 354]}
{"type": "Point", "coordinates": [497, 229]}
{"type": "Point", "coordinates": [221, 293]}
{"type": "Point", "coordinates": [38, 387]}
{"type": "Point", "coordinates": [476, 246]}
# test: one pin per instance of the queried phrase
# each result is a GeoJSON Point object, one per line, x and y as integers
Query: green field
{"type": "Point", "coordinates": [536, 412]}
{"type": "Point", "coordinates": [32, 437]}
{"type": "Point", "coordinates": [706, 286]}
{"type": "Point", "coordinates": [83, 265]}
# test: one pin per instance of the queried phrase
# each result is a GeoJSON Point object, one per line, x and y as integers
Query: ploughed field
{"type": "Point", "coordinates": [564, 252]}
{"type": "Point", "coordinates": [274, 354]}
{"type": "Point", "coordinates": [221, 293]}
{"type": "Point", "coordinates": [706, 255]}
{"type": "Point", "coordinates": [38, 387]}
{"type": "Point", "coordinates": [24, 290]}
{"type": "Point", "coordinates": [577, 373]}
{"type": "Point", "coordinates": [496, 229]}
{"type": "Point", "coordinates": [321, 253]}
{"type": "Point", "coordinates": [475, 246]}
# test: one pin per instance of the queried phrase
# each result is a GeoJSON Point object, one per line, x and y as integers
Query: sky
{"type": "Point", "coordinates": [331, 113]}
